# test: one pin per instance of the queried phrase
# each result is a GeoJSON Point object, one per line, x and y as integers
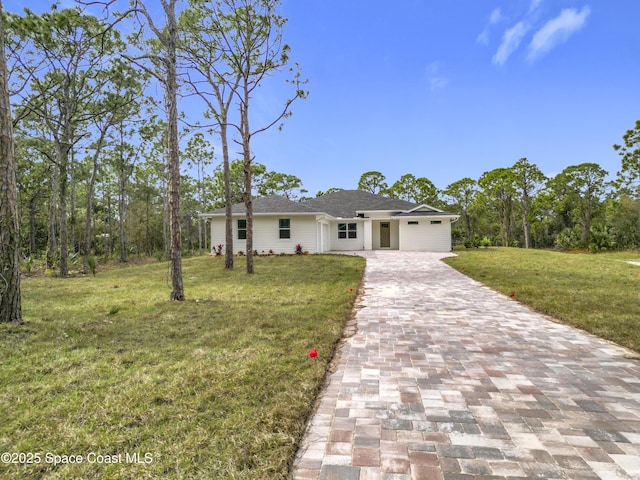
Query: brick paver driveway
{"type": "Point", "coordinates": [446, 379]}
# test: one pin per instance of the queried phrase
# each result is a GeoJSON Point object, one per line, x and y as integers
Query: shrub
{"type": "Point", "coordinates": [27, 264]}
{"type": "Point", "coordinates": [92, 264]}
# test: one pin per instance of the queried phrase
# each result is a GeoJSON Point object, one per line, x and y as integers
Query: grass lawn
{"type": "Point", "coordinates": [220, 386]}
{"type": "Point", "coordinates": [597, 293]}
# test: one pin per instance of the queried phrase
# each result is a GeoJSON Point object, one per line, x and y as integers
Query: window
{"type": "Point", "coordinates": [436, 222]}
{"type": "Point", "coordinates": [242, 229]}
{"type": "Point", "coordinates": [413, 222]}
{"type": "Point", "coordinates": [285, 227]}
{"type": "Point", "coordinates": [347, 230]}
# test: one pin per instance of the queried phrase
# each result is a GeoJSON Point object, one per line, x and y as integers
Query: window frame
{"type": "Point", "coordinates": [284, 229]}
{"type": "Point", "coordinates": [348, 232]}
{"type": "Point", "coordinates": [241, 229]}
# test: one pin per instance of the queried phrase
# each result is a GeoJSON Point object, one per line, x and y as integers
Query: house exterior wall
{"type": "Point", "coordinates": [343, 244]}
{"type": "Point", "coordinates": [425, 236]}
{"type": "Point", "coordinates": [266, 234]}
{"type": "Point", "coordinates": [317, 235]}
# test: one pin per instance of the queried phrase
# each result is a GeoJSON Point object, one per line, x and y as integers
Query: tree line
{"type": "Point", "coordinates": [519, 206]}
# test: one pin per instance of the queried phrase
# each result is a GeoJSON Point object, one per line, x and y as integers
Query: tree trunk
{"type": "Point", "coordinates": [228, 223]}
{"type": "Point", "coordinates": [63, 151]}
{"type": "Point", "coordinates": [10, 301]}
{"type": "Point", "coordinates": [246, 150]}
{"type": "Point", "coordinates": [52, 222]}
{"type": "Point", "coordinates": [248, 202]}
{"type": "Point", "coordinates": [177, 289]}
{"type": "Point", "coordinates": [108, 244]}
{"type": "Point", "coordinates": [72, 206]}
{"type": "Point", "coordinates": [467, 224]}
{"type": "Point", "coordinates": [122, 214]}
{"type": "Point", "coordinates": [147, 230]}
{"type": "Point", "coordinates": [32, 224]}
{"type": "Point", "coordinates": [526, 225]}
{"type": "Point", "coordinates": [89, 213]}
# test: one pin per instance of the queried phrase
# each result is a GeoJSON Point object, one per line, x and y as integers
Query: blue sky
{"type": "Point", "coordinates": [449, 89]}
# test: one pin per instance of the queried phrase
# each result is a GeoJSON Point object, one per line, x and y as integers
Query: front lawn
{"type": "Point", "coordinates": [599, 293]}
{"type": "Point", "coordinates": [109, 379]}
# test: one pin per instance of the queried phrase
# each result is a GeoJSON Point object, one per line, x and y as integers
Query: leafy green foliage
{"type": "Point", "coordinates": [629, 175]}
{"type": "Point", "coordinates": [373, 182]}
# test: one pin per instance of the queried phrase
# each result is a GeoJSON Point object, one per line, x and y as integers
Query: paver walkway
{"type": "Point", "coordinates": [446, 379]}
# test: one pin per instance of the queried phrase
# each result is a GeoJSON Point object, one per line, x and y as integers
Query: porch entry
{"type": "Point", "coordinates": [385, 235]}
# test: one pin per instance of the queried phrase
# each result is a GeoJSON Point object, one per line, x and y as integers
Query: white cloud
{"type": "Point", "coordinates": [557, 31]}
{"type": "Point", "coordinates": [483, 38]}
{"type": "Point", "coordinates": [534, 5]}
{"type": "Point", "coordinates": [510, 42]}
{"type": "Point", "coordinates": [495, 17]}
{"type": "Point", "coordinates": [436, 80]}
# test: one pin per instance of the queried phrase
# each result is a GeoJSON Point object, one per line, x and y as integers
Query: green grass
{"type": "Point", "coordinates": [598, 293]}
{"type": "Point", "coordinates": [218, 386]}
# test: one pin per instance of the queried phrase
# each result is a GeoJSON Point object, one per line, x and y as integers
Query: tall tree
{"type": "Point", "coordinates": [199, 154]}
{"type": "Point", "coordinates": [417, 190]}
{"type": "Point", "coordinates": [276, 183]}
{"type": "Point", "coordinates": [163, 55]}
{"type": "Point", "coordinates": [250, 43]}
{"type": "Point", "coordinates": [499, 189]}
{"type": "Point", "coordinates": [628, 181]}
{"type": "Point", "coordinates": [215, 80]}
{"type": "Point", "coordinates": [68, 70]}
{"type": "Point", "coordinates": [527, 179]}
{"type": "Point", "coordinates": [236, 182]}
{"type": "Point", "coordinates": [585, 186]}
{"type": "Point", "coordinates": [462, 194]}
{"type": "Point", "coordinates": [373, 182]}
{"type": "Point", "coordinates": [121, 104]}
{"type": "Point", "coordinates": [10, 301]}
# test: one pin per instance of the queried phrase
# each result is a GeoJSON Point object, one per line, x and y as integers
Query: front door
{"type": "Point", "coordinates": [385, 235]}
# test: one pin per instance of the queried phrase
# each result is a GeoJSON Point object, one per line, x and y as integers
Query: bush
{"type": "Point", "coordinates": [601, 239]}
{"type": "Point", "coordinates": [92, 264]}
{"type": "Point", "coordinates": [27, 264]}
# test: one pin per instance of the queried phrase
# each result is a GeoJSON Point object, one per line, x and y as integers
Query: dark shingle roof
{"type": "Point", "coordinates": [339, 204]}
{"type": "Point", "coordinates": [270, 204]}
{"type": "Point", "coordinates": [345, 203]}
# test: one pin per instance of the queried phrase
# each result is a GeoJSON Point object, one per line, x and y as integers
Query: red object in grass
{"type": "Point", "coordinates": [351, 289]}
{"type": "Point", "coordinates": [513, 294]}
{"type": "Point", "coordinates": [313, 353]}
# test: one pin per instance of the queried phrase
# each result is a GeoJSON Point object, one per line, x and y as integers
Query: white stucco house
{"type": "Point", "coordinates": [340, 221]}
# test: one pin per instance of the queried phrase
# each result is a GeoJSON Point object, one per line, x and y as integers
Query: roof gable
{"type": "Point", "coordinates": [424, 208]}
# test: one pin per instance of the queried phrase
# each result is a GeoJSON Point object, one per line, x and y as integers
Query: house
{"type": "Point", "coordinates": [340, 221]}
